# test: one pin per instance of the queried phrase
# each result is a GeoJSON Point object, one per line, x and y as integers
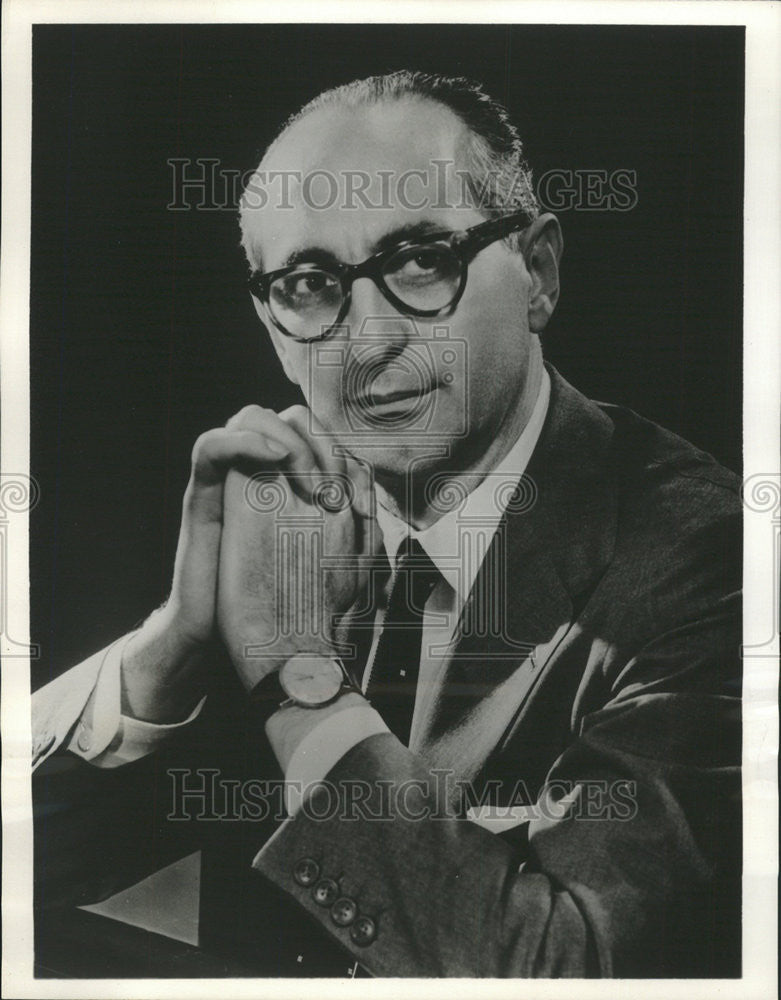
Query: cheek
{"type": "Point", "coordinates": [321, 383]}
{"type": "Point", "coordinates": [505, 291]}
{"type": "Point", "coordinates": [496, 323]}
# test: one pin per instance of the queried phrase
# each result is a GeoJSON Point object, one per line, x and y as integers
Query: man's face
{"type": "Point", "coordinates": [396, 389]}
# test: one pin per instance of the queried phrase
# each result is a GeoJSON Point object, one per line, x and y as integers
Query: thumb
{"type": "Point", "coordinates": [364, 501]}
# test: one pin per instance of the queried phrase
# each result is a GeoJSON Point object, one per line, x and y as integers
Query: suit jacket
{"type": "Point", "coordinates": [596, 678]}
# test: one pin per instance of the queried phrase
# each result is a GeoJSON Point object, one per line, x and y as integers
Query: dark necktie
{"type": "Point", "coordinates": [394, 672]}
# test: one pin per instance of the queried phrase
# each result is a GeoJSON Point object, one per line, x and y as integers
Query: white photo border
{"type": "Point", "coordinates": [762, 395]}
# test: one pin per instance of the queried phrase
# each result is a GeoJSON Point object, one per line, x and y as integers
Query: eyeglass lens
{"type": "Point", "coordinates": [424, 278]}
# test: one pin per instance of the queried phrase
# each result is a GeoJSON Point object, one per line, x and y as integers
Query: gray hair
{"type": "Point", "coordinates": [498, 177]}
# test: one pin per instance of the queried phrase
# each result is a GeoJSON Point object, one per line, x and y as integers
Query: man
{"type": "Point", "coordinates": [485, 629]}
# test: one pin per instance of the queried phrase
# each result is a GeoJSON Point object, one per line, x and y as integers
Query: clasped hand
{"type": "Point", "coordinates": [294, 530]}
{"type": "Point", "coordinates": [276, 525]}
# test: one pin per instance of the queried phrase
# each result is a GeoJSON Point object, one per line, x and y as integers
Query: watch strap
{"type": "Point", "coordinates": [268, 693]}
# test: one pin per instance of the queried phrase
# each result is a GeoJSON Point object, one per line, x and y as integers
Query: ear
{"type": "Point", "coordinates": [542, 245]}
{"type": "Point", "coordinates": [281, 343]}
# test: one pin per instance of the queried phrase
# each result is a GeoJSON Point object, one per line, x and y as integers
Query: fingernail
{"type": "Point", "coordinates": [276, 448]}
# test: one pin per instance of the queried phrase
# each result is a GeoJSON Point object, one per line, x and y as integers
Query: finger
{"type": "Point", "coordinates": [324, 445]}
{"type": "Point", "coordinates": [242, 416]}
{"type": "Point", "coordinates": [217, 450]}
{"type": "Point", "coordinates": [364, 500]}
{"type": "Point", "coordinates": [338, 486]}
{"type": "Point", "coordinates": [213, 455]}
{"type": "Point", "coordinates": [300, 460]}
{"type": "Point", "coordinates": [334, 459]}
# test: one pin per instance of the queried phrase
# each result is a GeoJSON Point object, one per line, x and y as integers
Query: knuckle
{"type": "Point", "coordinates": [248, 417]}
{"type": "Point", "coordinates": [201, 447]}
{"type": "Point", "coordinates": [299, 418]}
{"type": "Point", "coordinates": [297, 412]}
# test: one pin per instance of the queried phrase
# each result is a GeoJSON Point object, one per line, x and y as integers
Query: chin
{"type": "Point", "coordinates": [394, 461]}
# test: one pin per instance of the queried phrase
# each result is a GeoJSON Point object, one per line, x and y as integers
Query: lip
{"type": "Point", "coordinates": [374, 400]}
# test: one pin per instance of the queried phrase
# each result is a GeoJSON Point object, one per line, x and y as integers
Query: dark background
{"type": "Point", "coordinates": [142, 331]}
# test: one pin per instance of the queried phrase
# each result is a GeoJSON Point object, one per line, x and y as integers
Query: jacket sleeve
{"type": "Point", "coordinates": [96, 830]}
{"type": "Point", "coordinates": [642, 881]}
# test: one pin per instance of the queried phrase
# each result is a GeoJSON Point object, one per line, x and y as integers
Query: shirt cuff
{"type": "Point", "coordinates": [105, 737]}
{"type": "Point", "coordinates": [323, 747]}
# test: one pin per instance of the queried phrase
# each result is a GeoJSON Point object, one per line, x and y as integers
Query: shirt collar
{"type": "Point", "coordinates": [457, 553]}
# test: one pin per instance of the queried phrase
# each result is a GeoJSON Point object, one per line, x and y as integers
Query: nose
{"type": "Point", "coordinates": [372, 316]}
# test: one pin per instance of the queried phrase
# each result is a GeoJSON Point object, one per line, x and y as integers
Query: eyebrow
{"type": "Point", "coordinates": [400, 234]}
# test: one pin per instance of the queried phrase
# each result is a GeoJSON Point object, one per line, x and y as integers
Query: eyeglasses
{"type": "Point", "coordinates": [423, 277]}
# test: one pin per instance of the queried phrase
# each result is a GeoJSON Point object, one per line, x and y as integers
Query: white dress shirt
{"type": "Point", "coordinates": [456, 543]}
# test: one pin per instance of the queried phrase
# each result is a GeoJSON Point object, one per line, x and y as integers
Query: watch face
{"type": "Point", "coordinates": [311, 680]}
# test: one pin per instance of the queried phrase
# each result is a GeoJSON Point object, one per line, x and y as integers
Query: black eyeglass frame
{"type": "Point", "coordinates": [465, 244]}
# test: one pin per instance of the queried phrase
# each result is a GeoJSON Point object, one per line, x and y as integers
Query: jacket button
{"type": "Point", "coordinates": [344, 911]}
{"type": "Point", "coordinates": [325, 892]}
{"type": "Point", "coordinates": [363, 931]}
{"type": "Point", "coordinates": [306, 871]}
{"type": "Point", "coordinates": [84, 741]}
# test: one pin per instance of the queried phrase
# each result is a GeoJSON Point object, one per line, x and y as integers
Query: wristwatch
{"type": "Point", "coordinates": [313, 680]}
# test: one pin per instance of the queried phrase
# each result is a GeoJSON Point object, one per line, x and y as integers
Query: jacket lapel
{"type": "Point", "coordinates": [544, 557]}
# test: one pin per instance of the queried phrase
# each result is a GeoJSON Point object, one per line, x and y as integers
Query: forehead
{"type": "Point", "coordinates": [342, 178]}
